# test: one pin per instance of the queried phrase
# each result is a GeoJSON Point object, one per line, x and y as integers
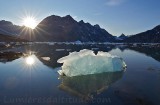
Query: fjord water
{"type": "Point", "coordinates": [30, 79]}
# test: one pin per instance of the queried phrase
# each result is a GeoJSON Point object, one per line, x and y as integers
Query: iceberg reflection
{"type": "Point", "coordinates": [86, 86]}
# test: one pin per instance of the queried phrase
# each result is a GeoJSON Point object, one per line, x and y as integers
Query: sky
{"type": "Point", "coordinates": [116, 16]}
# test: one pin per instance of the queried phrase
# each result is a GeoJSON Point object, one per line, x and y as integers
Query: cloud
{"type": "Point", "coordinates": [114, 2]}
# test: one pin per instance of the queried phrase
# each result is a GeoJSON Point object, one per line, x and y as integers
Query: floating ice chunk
{"type": "Point", "coordinates": [46, 58]}
{"type": "Point", "coordinates": [86, 62]}
{"type": "Point", "coordinates": [60, 49]}
{"type": "Point", "coordinates": [78, 42]}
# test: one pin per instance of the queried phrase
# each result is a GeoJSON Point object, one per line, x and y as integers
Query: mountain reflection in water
{"type": "Point", "coordinates": [9, 56]}
{"type": "Point", "coordinates": [56, 51]}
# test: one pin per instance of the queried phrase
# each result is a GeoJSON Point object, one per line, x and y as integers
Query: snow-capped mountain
{"type": "Point", "coordinates": [122, 37]}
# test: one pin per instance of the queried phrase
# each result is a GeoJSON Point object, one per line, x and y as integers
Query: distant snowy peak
{"type": "Point", "coordinates": [122, 36]}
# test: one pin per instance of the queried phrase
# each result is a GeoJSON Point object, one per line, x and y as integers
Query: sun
{"type": "Point", "coordinates": [30, 60]}
{"type": "Point", "coordinates": [30, 22]}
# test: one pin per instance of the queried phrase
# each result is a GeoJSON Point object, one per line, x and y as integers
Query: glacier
{"type": "Point", "coordinates": [86, 62]}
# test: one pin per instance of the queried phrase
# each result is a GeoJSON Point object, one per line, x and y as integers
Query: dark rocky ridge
{"type": "Point", "coordinates": [61, 29]}
{"type": "Point", "coordinates": [8, 28]}
{"type": "Point", "coordinates": [150, 36]}
{"type": "Point", "coordinates": [66, 29]}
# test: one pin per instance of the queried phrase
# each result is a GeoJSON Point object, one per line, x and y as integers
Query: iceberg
{"type": "Point", "coordinates": [86, 62]}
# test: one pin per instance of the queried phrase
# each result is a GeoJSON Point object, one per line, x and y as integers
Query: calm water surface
{"type": "Point", "coordinates": [32, 79]}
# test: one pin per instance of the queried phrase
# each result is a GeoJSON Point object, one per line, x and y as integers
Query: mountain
{"type": "Point", "coordinates": [122, 37]}
{"type": "Point", "coordinates": [150, 36]}
{"type": "Point", "coordinates": [60, 29]}
{"type": "Point", "coordinates": [10, 32]}
{"type": "Point", "coordinates": [10, 38]}
{"type": "Point", "coordinates": [8, 28]}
